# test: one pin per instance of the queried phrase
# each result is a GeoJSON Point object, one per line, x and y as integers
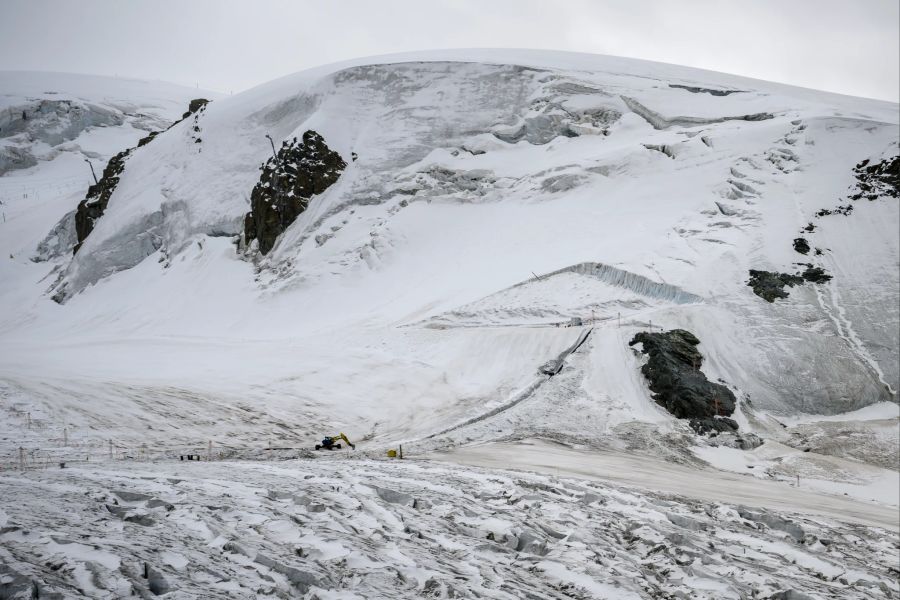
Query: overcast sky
{"type": "Point", "coordinates": [228, 45]}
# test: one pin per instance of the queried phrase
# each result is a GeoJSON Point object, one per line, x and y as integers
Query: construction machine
{"type": "Point", "coordinates": [330, 442]}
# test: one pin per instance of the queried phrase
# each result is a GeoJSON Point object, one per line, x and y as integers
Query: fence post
{"type": "Point", "coordinates": [209, 451]}
{"type": "Point", "coordinates": [21, 458]}
{"type": "Point", "coordinates": [110, 450]}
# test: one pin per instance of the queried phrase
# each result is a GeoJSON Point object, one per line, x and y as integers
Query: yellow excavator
{"type": "Point", "coordinates": [331, 442]}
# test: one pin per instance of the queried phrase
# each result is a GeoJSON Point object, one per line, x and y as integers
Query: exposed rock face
{"type": "Point", "coordinates": [769, 286]}
{"type": "Point", "coordinates": [300, 171]}
{"type": "Point", "coordinates": [679, 386]}
{"type": "Point", "coordinates": [801, 245]}
{"type": "Point", "coordinates": [839, 210]}
{"type": "Point", "coordinates": [815, 274]}
{"type": "Point", "coordinates": [94, 204]}
{"type": "Point", "coordinates": [879, 179]}
{"type": "Point", "coordinates": [194, 105]}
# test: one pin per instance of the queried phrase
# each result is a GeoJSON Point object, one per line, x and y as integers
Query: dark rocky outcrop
{"type": "Point", "coordinates": [94, 204]}
{"type": "Point", "coordinates": [815, 274]}
{"type": "Point", "coordinates": [679, 386]}
{"type": "Point", "coordinates": [194, 105]}
{"type": "Point", "coordinates": [839, 210]}
{"type": "Point", "coordinates": [801, 245]}
{"type": "Point", "coordinates": [878, 179]}
{"type": "Point", "coordinates": [288, 181]}
{"type": "Point", "coordinates": [769, 286]}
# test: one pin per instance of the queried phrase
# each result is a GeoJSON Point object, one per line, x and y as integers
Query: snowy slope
{"type": "Point", "coordinates": [502, 215]}
{"type": "Point", "coordinates": [416, 298]}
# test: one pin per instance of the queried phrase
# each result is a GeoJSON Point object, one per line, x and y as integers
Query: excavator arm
{"type": "Point", "coordinates": [344, 437]}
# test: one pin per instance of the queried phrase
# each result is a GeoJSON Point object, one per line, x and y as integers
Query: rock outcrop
{"type": "Point", "coordinates": [94, 204]}
{"type": "Point", "coordinates": [299, 171]}
{"type": "Point", "coordinates": [769, 285]}
{"type": "Point", "coordinates": [878, 179]}
{"type": "Point", "coordinates": [801, 245]}
{"type": "Point", "coordinates": [193, 106]}
{"type": "Point", "coordinates": [679, 386]}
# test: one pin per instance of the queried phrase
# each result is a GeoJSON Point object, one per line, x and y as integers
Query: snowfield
{"type": "Point", "coordinates": [505, 223]}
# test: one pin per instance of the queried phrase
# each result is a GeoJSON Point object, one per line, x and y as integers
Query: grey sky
{"type": "Point", "coordinates": [843, 46]}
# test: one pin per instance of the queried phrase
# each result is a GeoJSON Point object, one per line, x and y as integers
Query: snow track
{"type": "Point", "coordinates": [656, 475]}
{"type": "Point", "coordinates": [555, 366]}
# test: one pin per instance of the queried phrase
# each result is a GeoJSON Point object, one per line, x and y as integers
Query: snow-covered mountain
{"type": "Point", "coordinates": [450, 248]}
{"type": "Point", "coordinates": [425, 282]}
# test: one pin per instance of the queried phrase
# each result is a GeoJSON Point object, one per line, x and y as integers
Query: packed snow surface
{"type": "Point", "coordinates": [507, 221]}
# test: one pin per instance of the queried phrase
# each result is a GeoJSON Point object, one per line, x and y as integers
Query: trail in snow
{"type": "Point", "coordinates": [523, 394]}
{"type": "Point", "coordinates": [665, 477]}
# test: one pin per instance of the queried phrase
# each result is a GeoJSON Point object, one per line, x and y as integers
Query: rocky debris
{"type": "Point", "coordinates": [815, 274]}
{"type": "Point", "coordinates": [769, 285]}
{"type": "Point", "coordinates": [801, 245]}
{"type": "Point", "coordinates": [300, 170]}
{"type": "Point", "coordinates": [194, 106]}
{"type": "Point", "coordinates": [840, 210]}
{"type": "Point", "coordinates": [97, 198]}
{"type": "Point", "coordinates": [878, 179]}
{"type": "Point", "coordinates": [678, 384]}
{"type": "Point", "coordinates": [702, 90]}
